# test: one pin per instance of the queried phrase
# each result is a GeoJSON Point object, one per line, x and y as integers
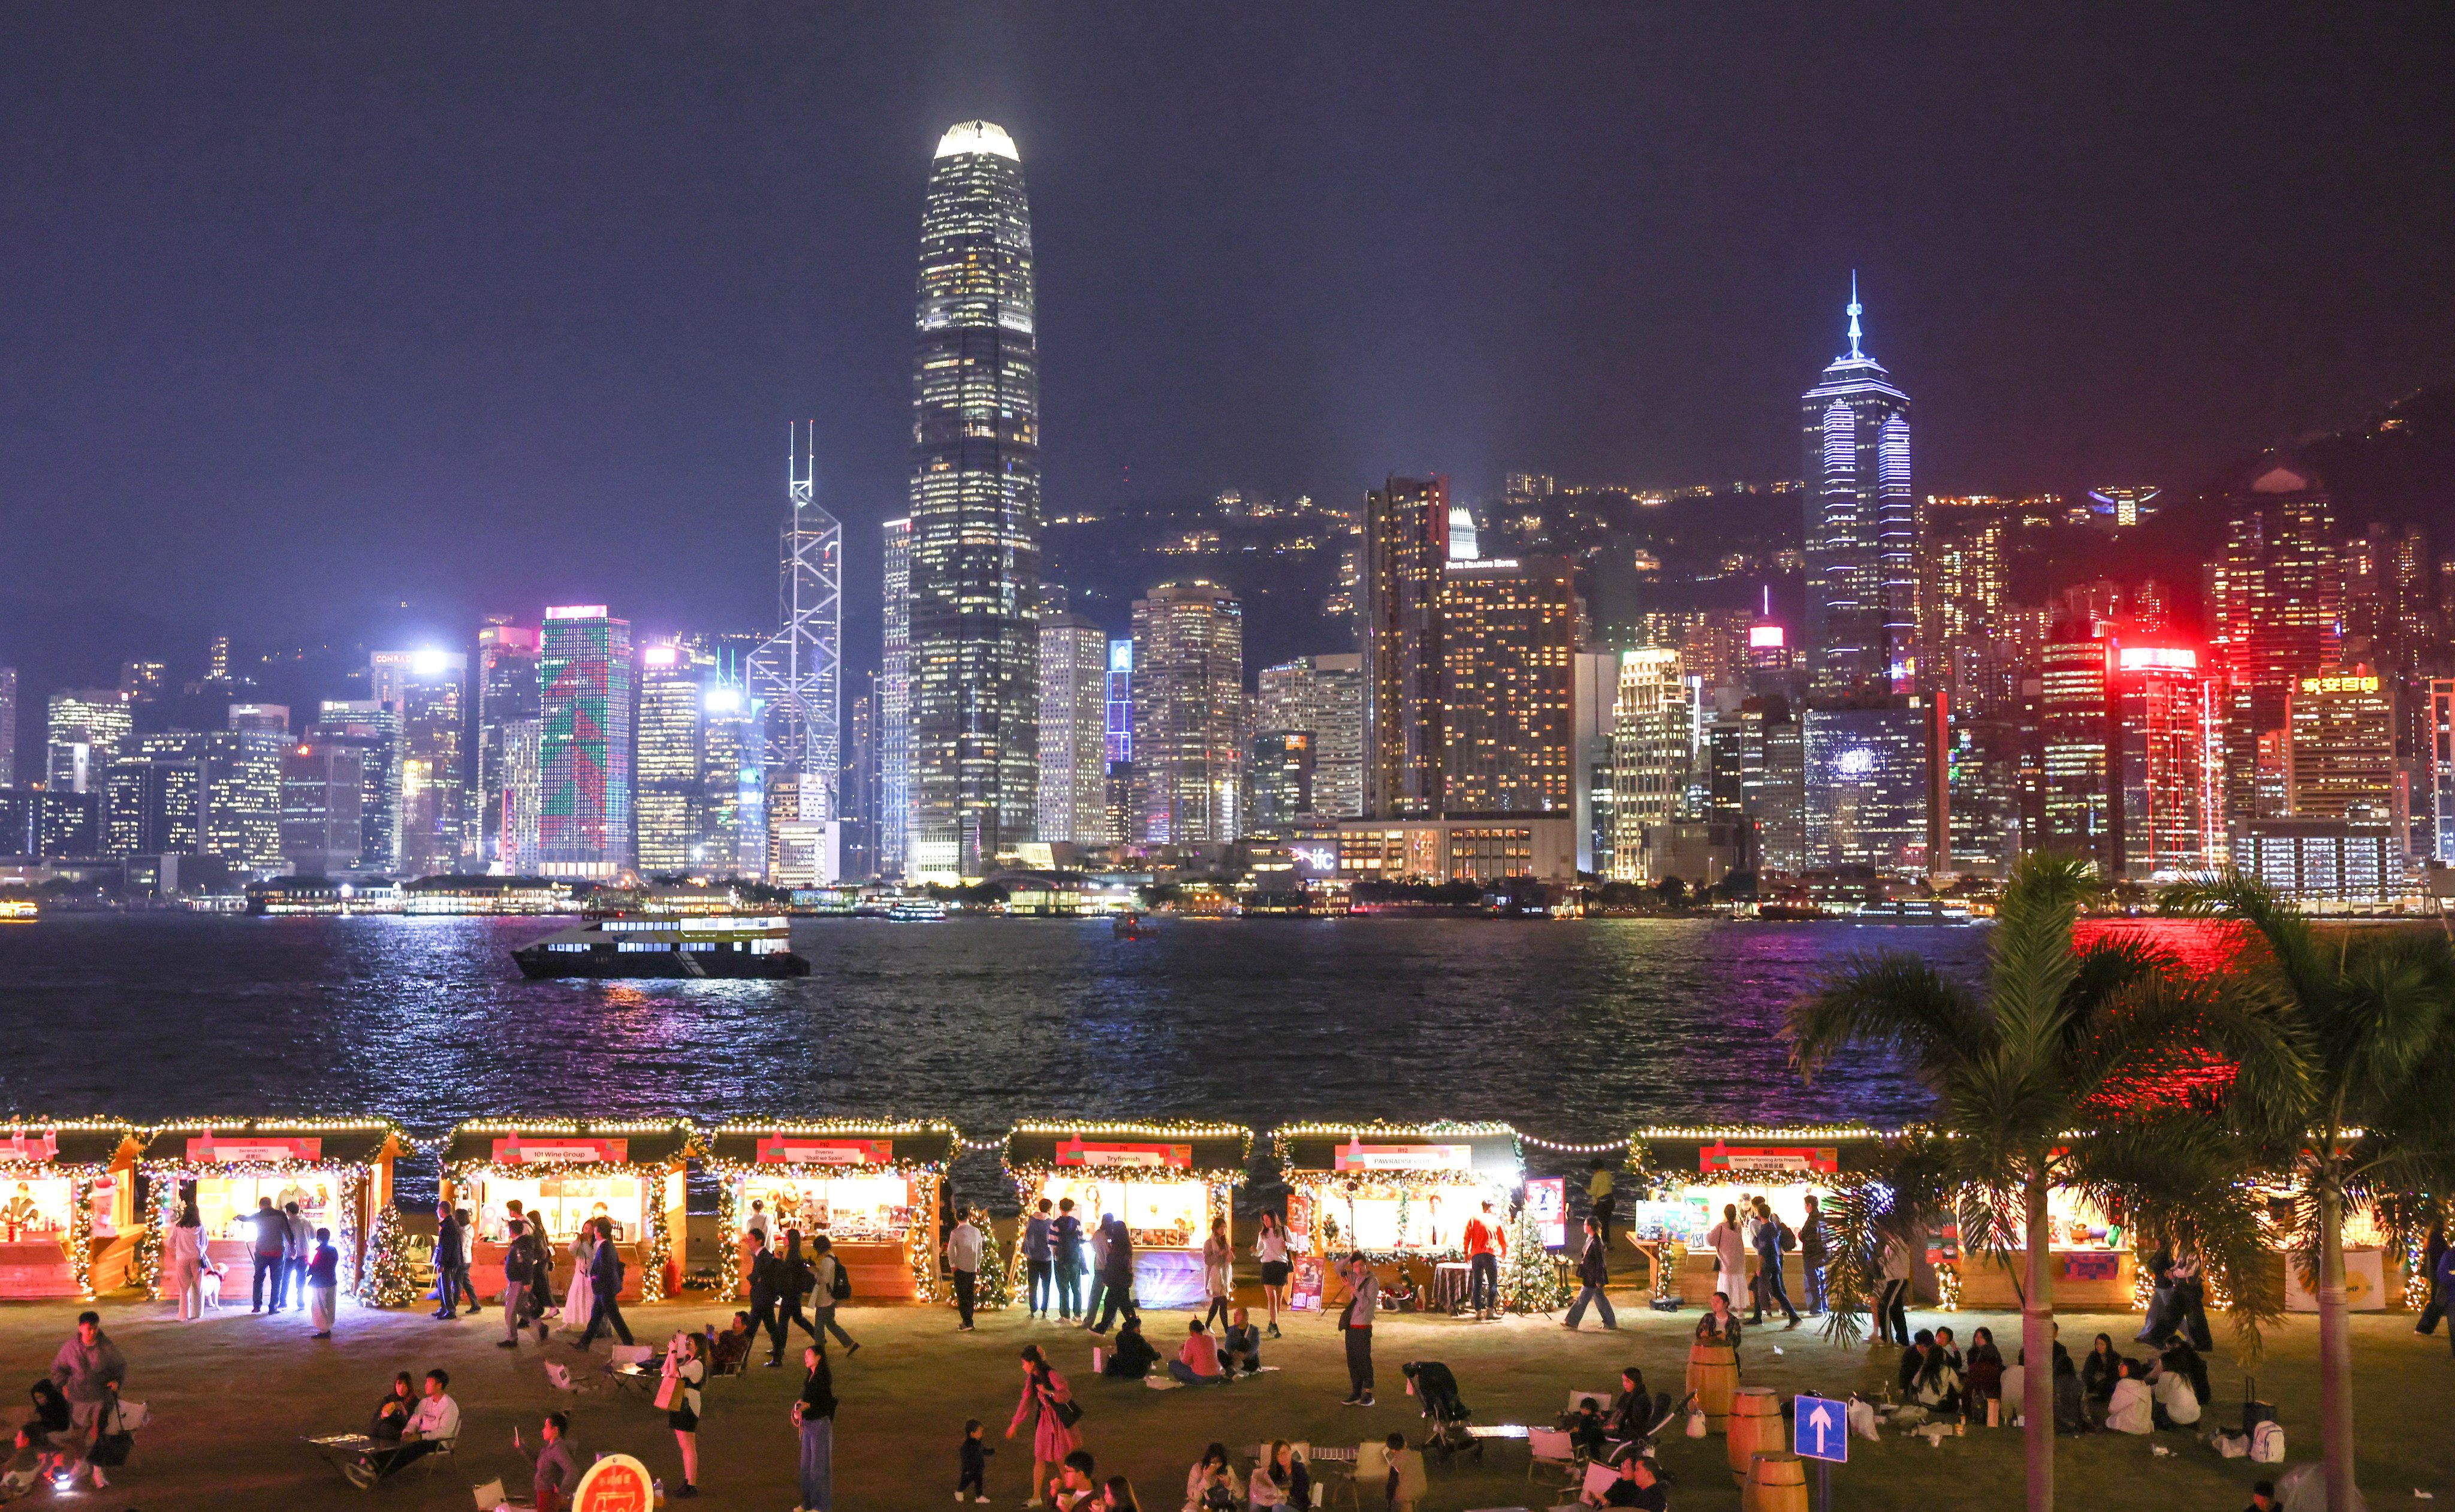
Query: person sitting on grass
{"type": "Point", "coordinates": [1133, 1357]}
{"type": "Point", "coordinates": [1211, 1486]}
{"type": "Point", "coordinates": [26, 1461]}
{"type": "Point", "coordinates": [2131, 1409]}
{"type": "Point", "coordinates": [1639, 1486]}
{"type": "Point", "coordinates": [1938, 1387]}
{"type": "Point", "coordinates": [1281, 1480]}
{"type": "Point", "coordinates": [2179, 1380]}
{"type": "Point", "coordinates": [1985, 1370]}
{"type": "Point", "coordinates": [1197, 1360]}
{"type": "Point", "coordinates": [1241, 1346]}
{"type": "Point", "coordinates": [2097, 1374]}
{"type": "Point", "coordinates": [1913, 1362]}
{"type": "Point", "coordinates": [1076, 1488]}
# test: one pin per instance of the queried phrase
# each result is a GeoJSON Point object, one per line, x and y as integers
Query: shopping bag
{"type": "Point", "coordinates": [1695, 1426]}
{"type": "Point", "coordinates": [665, 1393]}
{"type": "Point", "coordinates": [1099, 1359]}
{"type": "Point", "coordinates": [1862, 1421]}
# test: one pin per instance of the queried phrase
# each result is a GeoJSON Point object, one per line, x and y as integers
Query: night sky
{"type": "Point", "coordinates": [307, 309]}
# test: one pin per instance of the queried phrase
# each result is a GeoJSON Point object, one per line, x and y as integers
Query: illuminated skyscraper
{"type": "Point", "coordinates": [584, 752]}
{"type": "Point", "coordinates": [1121, 794]}
{"type": "Point", "coordinates": [7, 727]}
{"type": "Point", "coordinates": [1654, 742]}
{"type": "Point", "coordinates": [1279, 774]}
{"type": "Point", "coordinates": [2073, 715]}
{"type": "Point", "coordinates": [975, 576]}
{"type": "Point", "coordinates": [1073, 729]}
{"type": "Point", "coordinates": [732, 833]}
{"type": "Point", "coordinates": [671, 792]}
{"type": "Point", "coordinates": [321, 789]}
{"type": "Point", "coordinates": [374, 729]}
{"type": "Point", "coordinates": [1323, 697]}
{"type": "Point", "coordinates": [427, 687]}
{"type": "Point", "coordinates": [1862, 528]}
{"type": "Point", "coordinates": [2340, 749]}
{"type": "Point", "coordinates": [507, 693]}
{"type": "Point", "coordinates": [87, 728]}
{"type": "Point", "coordinates": [1189, 711]}
{"type": "Point", "coordinates": [1509, 635]}
{"type": "Point", "coordinates": [895, 706]}
{"type": "Point", "coordinates": [1867, 771]}
{"type": "Point", "coordinates": [798, 673]}
{"type": "Point", "coordinates": [2278, 604]}
{"type": "Point", "coordinates": [2166, 728]}
{"type": "Point", "coordinates": [1406, 548]}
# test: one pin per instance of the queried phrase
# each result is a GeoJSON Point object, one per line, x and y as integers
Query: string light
{"type": "Point", "coordinates": [76, 1225]}
{"type": "Point", "coordinates": [659, 1248]}
{"type": "Point", "coordinates": [1031, 1177]}
{"type": "Point", "coordinates": [357, 1176]}
{"type": "Point", "coordinates": [920, 1254]}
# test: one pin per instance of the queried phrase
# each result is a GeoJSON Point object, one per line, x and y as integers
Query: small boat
{"type": "Point", "coordinates": [1133, 926]}
{"type": "Point", "coordinates": [613, 946]}
{"type": "Point", "coordinates": [917, 911]}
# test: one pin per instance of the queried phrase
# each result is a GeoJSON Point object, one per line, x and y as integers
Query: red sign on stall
{"type": "Point", "coordinates": [23, 1146]}
{"type": "Point", "coordinates": [1808, 1159]}
{"type": "Point", "coordinates": [1356, 1155]}
{"type": "Point", "coordinates": [205, 1148]}
{"type": "Point", "coordinates": [1145, 1157]}
{"type": "Point", "coordinates": [514, 1150]}
{"type": "Point", "coordinates": [778, 1149]}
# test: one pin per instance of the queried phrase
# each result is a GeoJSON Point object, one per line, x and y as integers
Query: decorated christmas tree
{"type": "Point", "coordinates": [1532, 1278]}
{"type": "Point", "coordinates": [387, 1280]}
{"type": "Point", "coordinates": [995, 1292]}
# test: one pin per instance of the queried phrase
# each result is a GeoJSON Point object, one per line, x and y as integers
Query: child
{"type": "Point", "coordinates": [976, 1463]}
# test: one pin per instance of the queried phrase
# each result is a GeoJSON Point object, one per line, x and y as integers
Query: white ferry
{"type": "Point", "coordinates": [646, 944]}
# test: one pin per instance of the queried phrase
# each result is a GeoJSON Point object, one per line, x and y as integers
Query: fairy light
{"type": "Point", "coordinates": [660, 1238]}
{"type": "Point", "coordinates": [1030, 1178]}
{"type": "Point", "coordinates": [928, 1177]}
{"type": "Point", "coordinates": [357, 1178]}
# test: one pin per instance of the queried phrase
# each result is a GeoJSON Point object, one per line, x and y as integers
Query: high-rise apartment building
{"type": "Point", "coordinates": [88, 727]}
{"type": "Point", "coordinates": [1189, 711]}
{"type": "Point", "coordinates": [1405, 551]}
{"type": "Point", "coordinates": [2073, 718]}
{"type": "Point", "coordinates": [670, 797]}
{"type": "Point", "coordinates": [584, 760]}
{"type": "Point", "coordinates": [1323, 697]}
{"type": "Point", "coordinates": [1510, 633]}
{"type": "Point", "coordinates": [2167, 730]}
{"type": "Point", "coordinates": [1862, 528]}
{"type": "Point", "coordinates": [323, 830]}
{"type": "Point", "coordinates": [507, 693]}
{"type": "Point", "coordinates": [374, 728]}
{"type": "Point", "coordinates": [7, 727]}
{"type": "Point", "coordinates": [2340, 749]}
{"type": "Point", "coordinates": [2441, 769]}
{"type": "Point", "coordinates": [975, 556]}
{"type": "Point", "coordinates": [798, 673]}
{"type": "Point", "coordinates": [1654, 742]}
{"type": "Point", "coordinates": [895, 706]}
{"type": "Point", "coordinates": [1073, 729]}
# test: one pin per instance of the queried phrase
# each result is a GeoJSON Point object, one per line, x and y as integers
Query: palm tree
{"type": "Point", "coordinates": [2373, 1014]}
{"type": "Point", "coordinates": [2056, 1077]}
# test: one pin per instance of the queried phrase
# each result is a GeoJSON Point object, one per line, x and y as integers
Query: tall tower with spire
{"type": "Point", "coordinates": [1862, 527]}
{"type": "Point", "coordinates": [797, 672]}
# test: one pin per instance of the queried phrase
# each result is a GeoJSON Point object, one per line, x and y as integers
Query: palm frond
{"type": "Point", "coordinates": [1894, 1002]}
{"type": "Point", "coordinates": [2291, 947]}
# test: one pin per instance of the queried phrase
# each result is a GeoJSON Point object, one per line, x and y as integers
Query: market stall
{"type": "Point", "coordinates": [2091, 1258]}
{"type": "Point", "coordinates": [1167, 1181]}
{"type": "Point", "coordinates": [67, 1207]}
{"type": "Point", "coordinates": [337, 1170]}
{"type": "Point", "coordinates": [871, 1188]}
{"type": "Point", "coordinates": [1687, 1176]}
{"type": "Point", "coordinates": [1402, 1193]}
{"type": "Point", "coordinates": [629, 1174]}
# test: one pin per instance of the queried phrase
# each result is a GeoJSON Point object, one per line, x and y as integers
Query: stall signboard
{"type": "Point", "coordinates": [22, 1146]}
{"type": "Point", "coordinates": [252, 1147]}
{"type": "Point", "coordinates": [1356, 1155]}
{"type": "Point", "coordinates": [778, 1149]}
{"type": "Point", "coordinates": [1547, 1203]}
{"type": "Point", "coordinates": [563, 1149]}
{"type": "Point", "coordinates": [1806, 1159]}
{"type": "Point", "coordinates": [1133, 1157]}
{"type": "Point", "coordinates": [1304, 1295]}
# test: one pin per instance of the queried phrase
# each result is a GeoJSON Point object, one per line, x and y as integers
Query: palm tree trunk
{"type": "Point", "coordinates": [2335, 1352]}
{"type": "Point", "coordinates": [2037, 1354]}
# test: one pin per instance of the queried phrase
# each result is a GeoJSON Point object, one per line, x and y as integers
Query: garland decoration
{"type": "Point", "coordinates": [1030, 1179]}
{"type": "Point", "coordinates": [1327, 1189]}
{"type": "Point", "coordinates": [929, 1178]}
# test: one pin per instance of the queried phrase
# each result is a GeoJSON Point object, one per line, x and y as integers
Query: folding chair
{"type": "Point", "coordinates": [1553, 1449]}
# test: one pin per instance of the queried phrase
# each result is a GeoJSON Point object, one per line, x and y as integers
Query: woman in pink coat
{"type": "Point", "coordinates": [1051, 1440]}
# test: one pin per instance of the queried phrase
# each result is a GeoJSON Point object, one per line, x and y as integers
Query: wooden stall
{"type": "Point", "coordinates": [1402, 1193]}
{"type": "Point", "coordinates": [340, 1172]}
{"type": "Point", "coordinates": [1690, 1174]}
{"type": "Point", "coordinates": [69, 1225]}
{"type": "Point", "coordinates": [1167, 1181]}
{"type": "Point", "coordinates": [571, 1173]}
{"type": "Point", "coordinates": [871, 1188]}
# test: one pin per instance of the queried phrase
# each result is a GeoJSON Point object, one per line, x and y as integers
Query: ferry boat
{"type": "Point", "coordinates": [653, 945]}
{"type": "Point", "coordinates": [917, 911]}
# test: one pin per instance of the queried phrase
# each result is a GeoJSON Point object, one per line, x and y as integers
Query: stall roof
{"type": "Point", "coordinates": [926, 1142]}
{"type": "Point", "coordinates": [644, 1141]}
{"type": "Point", "coordinates": [69, 1141]}
{"type": "Point", "coordinates": [1694, 1151]}
{"type": "Point", "coordinates": [1211, 1147]}
{"type": "Point", "coordinates": [1314, 1148]}
{"type": "Point", "coordinates": [342, 1141]}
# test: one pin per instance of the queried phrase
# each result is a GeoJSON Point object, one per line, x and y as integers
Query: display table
{"type": "Point", "coordinates": [1451, 1282]}
{"type": "Point", "coordinates": [36, 1266]}
{"type": "Point", "coordinates": [2097, 1281]}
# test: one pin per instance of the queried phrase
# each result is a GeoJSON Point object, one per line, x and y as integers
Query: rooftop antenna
{"type": "Point", "coordinates": [1855, 307]}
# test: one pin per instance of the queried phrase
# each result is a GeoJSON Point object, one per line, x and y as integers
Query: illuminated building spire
{"type": "Point", "coordinates": [1854, 309]}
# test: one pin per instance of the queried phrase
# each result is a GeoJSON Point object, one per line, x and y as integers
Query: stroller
{"type": "Point", "coordinates": [1436, 1388]}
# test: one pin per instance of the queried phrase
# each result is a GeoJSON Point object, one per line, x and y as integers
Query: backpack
{"type": "Point", "coordinates": [2267, 1442]}
{"type": "Point", "coordinates": [840, 1286]}
{"type": "Point", "coordinates": [1789, 1240]}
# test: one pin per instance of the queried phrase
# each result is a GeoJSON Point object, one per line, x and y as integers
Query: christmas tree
{"type": "Point", "coordinates": [386, 1281]}
{"type": "Point", "coordinates": [995, 1292]}
{"type": "Point", "coordinates": [1532, 1278]}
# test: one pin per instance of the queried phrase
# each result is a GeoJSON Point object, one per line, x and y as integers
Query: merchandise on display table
{"type": "Point", "coordinates": [630, 1173]}
{"type": "Point", "coordinates": [340, 1172]}
{"type": "Point", "coordinates": [1691, 1175]}
{"type": "Point", "coordinates": [871, 1188]}
{"type": "Point", "coordinates": [1166, 1181]}
{"type": "Point", "coordinates": [69, 1225]}
{"type": "Point", "coordinates": [1402, 1193]}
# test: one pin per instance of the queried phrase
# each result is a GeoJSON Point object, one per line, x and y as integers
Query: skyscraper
{"type": "Point", "coordinates": [798, 673]}
{"type": "Point", "coordinates": [895, 706]}
{"type": "Point", "coordinates": [1867, 770]}
{"type": "Point", "coordinates": [7, 727]}
{"type": "Point", "coordinates": [374, 728]}
{"type": "Point", "coordinates": [672, 793]}
{"type": "Point", "coordinates": [1652, 748]}
{"type": "Point", "coordinates": [975, 575]}
{"type": "Point", "coordinates": [1121, 794]}
{"type": "Point", "coordinates": [1189, 711]}
{"type": "Point", "coordinates": [88, 727]}
{"type": "Point", "coordinates": [2278, 600]}
{"type": "Point", "coordinates": [2075, 736]}
{"type": "Point", "coordinates": [732, 837]}
{"type": "Point", "coordinates": [1323, 697]}
{"type": "Point", "coordinates": [2165, 727]}
{"type": "Point", "coordinates": [507, 695]}
{"type": "Point", "coordinates": [427, 689]}
{"type": "Point", "coordinates": [1863, 524]}
{"type": "Point", "coordinates": [1073, 729]}
{"type": "Point", "coordinates": [1406, 547]}
{"type": "Point", "coordinates": [322, 830]}
{"type": "Point", "coordinates": [2340, 749]}
{"type": "Point", "coordinates": [1510, 633]}
{"type": "Point", "coordinates": [584, 756]}
{"type": "Point", "coordinates": [856, 797]}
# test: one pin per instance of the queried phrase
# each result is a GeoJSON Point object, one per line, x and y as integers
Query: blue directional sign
{"type": "Point", "coordinates": [1820, 1429]}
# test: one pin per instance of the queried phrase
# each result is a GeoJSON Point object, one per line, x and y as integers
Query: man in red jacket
{"type": "Point", "coordinates": [1486, 1241]}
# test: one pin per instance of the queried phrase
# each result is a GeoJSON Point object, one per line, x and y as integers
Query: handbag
{"type": "Point", "coordinates": [112, 1438]}
{"type": "Point", "coordinates": [665, 1393]}
{"type": "Point", "coordinates": [1696, 1425]}
{"type": "Point", "coordinates": [1068, 1412]}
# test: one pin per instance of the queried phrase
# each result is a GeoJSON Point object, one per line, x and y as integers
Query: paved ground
{"type": "Point", "coordinates": [233, 1394]}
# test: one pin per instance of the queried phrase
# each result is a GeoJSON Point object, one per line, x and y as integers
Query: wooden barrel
{"type": "Point", "coordinates": [1755, 1428]}
{"type": "Point", "coordinates": [1713, 1376]}
{"type": "Point", "coordinates": [1776, 1483]}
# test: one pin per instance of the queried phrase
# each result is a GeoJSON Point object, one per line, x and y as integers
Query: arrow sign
{"type": "Point", "coordinates": [1820, 1429]}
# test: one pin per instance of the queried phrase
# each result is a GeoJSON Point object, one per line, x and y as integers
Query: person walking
{"type": "Point", "coordinates": [1771, 1284]}
{"type": "Point", "coordinates": [814, 1418]}
{"type": "Point", "coordinates": [183, 1255]}
{"type": "Point", "coordinates": [963, 1259]}
{"type": "Point", "coordinates": [831, 1284]}
{"type": "Point", "coordinates": [795, 1274]}
{"type": "Point", "coordinates": [519, 1268]}
{"type": "Point", "coordinates": [271, 1254]}
{"type": "Point", "coordinates": [1486, 1241]}
{"type": "Point", "coordinates": [1038, 1264]}
{"type": "Point", "coordinates": [451, 1259]}
{"type": "Point", "coordinates": [1218, 1273]}
{"type": "Point", "coordinates": [1593, 1270]}
{"type": "Point", "coordinates": [1271, 1252]}
{"type": "Point", "coordinates": [766, 1288]}
{"type": "Point", "coordinates": [1053, 1435]}
{"type": "Point", "coordinates": [1356, 1323]}
{"type": "Point", "coordinates": [605, 1284]}
{"type": "Point", "coordinates": [1892, 1305]}
{"type": "Point", "coordinates": [580, 1298]}
{"type": "Point", "coordinates": [298, 1247]}
{"type": "Point", "coordinates": [1066, 1253]}
{"type": "Point", "coordinates": [2432, 1251]}
{"type": "Point", "coordinates": [685, 1372]}
{"type": "Point", "coordinates": [88, 1371]}
{"type": "Point", "coordinates": [1098, 1245]}
{"type": "Point", "coordinates": [1811, 1256]}
{"type": "Point", "coordinates": [1729, 1242]}
{"type": "Point", "coordinates": [323, 1283]}
{"type": "Point", "coordinates": [1116, 1274]}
